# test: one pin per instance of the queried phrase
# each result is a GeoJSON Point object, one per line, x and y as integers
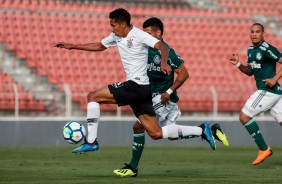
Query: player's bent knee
{"type": "Point", "coordinates": [137, 127]}
{"type": "Point", "coordinates": [91, 96]}
{"type": "Point", "coordinates": [244, 118]}
{"type": "Point", "coordinates": [155, 135]}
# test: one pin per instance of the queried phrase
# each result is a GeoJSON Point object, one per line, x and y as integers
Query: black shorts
{"type": "Point", "coordinates": [139, 97]}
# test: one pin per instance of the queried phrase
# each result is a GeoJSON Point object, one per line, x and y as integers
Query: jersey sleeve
{"type": "Point", "coordinates": [147, 39]}
{"type": "Point", "coordinates": [174, 60]}
{"type": "Point", "coordinates": [109, 41]}
{"type": "Point", "coordinates": [273, 54]}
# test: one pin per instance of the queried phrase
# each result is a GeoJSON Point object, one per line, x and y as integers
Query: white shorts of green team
{"type": "Point", "coordinates": [166, 114]}
{"type": "Point", "coordinates": [261, 101]}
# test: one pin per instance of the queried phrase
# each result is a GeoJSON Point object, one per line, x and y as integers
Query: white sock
{"type": "Point", "coordinates": [175, 131]}
{"type": "Point", "coordinates": [93, 117]}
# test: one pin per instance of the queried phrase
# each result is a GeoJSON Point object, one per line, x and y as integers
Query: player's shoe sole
{"type": "Point", "coordinates": [126, 171]}
{"type": "Point", "coordinates": [207, 135]}
{"type": "Point", "coordinates": [86, 147]}
{"type": "Point", "coordinates": [219, 135]}
{"type": "Point", "coordinates": [262, 155]}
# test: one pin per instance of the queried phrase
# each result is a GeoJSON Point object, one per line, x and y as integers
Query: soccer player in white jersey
{"type": "Point", "coordinates": [169, 113]}
{"type": "Point", "coordinates": [262, 59]}
{"type": "Point", "coordinates": [133, 46]}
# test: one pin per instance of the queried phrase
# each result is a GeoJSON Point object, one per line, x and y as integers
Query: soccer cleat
{"type": "Point", "coordinates": [262, 155]}
{"type": "Point", "coordinates": [207, 134]}
{"type": "Point", "coordinates": [219, 135]}
{"type": "Point", "coordinates": [126, 171]}
{"type": "Point", "coordinates": [86, 147]}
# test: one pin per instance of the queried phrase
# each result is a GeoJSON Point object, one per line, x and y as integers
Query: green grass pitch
{"type": "Point", "coordinates": [159, 165]}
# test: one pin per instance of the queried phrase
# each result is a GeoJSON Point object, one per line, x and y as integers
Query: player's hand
{"type": "Point", "coordinates": [165, 98]}
{"type": "Point", "coordinates": [269, 82]}
{"type": "Point", "coordinates": [64, 45]}
{"type": "Point", "coordinates": [165, 68]}
{"type": "Point", "coordinates": [234, 59]}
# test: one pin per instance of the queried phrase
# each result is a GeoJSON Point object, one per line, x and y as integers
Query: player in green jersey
{"type": "Point", "coordinates": [262, 59]}
{"type": "Point", "coordinates": [164, 98]}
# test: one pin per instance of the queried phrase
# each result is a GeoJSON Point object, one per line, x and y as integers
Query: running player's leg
{"type": "Point", "coordinates": [138, 144]}
{"type": "Point", "coordinates": [121, 93]}
{"type": "Point", "coordinates": [195, 131]}
{"type": "Point", "coordinates": [150, 124]}
{"type": "Point", "coordinates": [173, 131]}
{"type": "Point", "coordinates": [259, 102]}
{"type": "Point", "coordinates": [168, 116]}
{"type": "Point", "coordinates": [253, 129]}
{"type": "Point", "coordinates": [95, 98]}
{"type": "Point", "coordinates": [216, 130]}
{"type": "Point", "coordinates": [131, 169]}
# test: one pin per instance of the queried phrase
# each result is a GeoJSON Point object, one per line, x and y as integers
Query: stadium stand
{"type": "Point", "coordinates": [7, 98]}
{"type": "Point", "coordinates": [203, 37]}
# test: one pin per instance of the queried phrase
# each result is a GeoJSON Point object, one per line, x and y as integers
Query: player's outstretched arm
{"type": "Point", "coordinates": [234, 59]}
{"type": "Point", "coordinates": [97, 46]}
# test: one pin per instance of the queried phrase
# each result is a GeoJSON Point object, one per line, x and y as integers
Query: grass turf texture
{"type": "Point", "coordinates": [158, 165]}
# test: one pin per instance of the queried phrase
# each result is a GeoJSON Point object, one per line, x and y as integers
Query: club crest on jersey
{"type": "Point", "coordinates": [129, 43]}
{"type": "Point", "coordinates": [258, 56]}
{"type": "Point", "coordinates": [157, 59]}
{"type": "Point", "coordinates": [117, 84]}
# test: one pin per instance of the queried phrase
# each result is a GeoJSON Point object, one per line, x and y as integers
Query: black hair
{"type": "Point", "coordinates": [154, 22]}
{"type": "Point", "coordinates": [120, 15]}
{"type": "Point", "coordinates": [258, 24]}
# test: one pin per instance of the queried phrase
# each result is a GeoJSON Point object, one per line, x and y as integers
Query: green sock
{"type": "Point", "coordinates": [137, 149]}
{"type": "Point", "coordinates": [253, 129]}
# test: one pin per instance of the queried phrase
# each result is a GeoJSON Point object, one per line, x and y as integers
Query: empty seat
{"type": "Point", "coordinates": [203, 38]}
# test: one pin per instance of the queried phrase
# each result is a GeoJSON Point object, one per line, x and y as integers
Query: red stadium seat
{"type": "Point", "coordinates": [203, 38]}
